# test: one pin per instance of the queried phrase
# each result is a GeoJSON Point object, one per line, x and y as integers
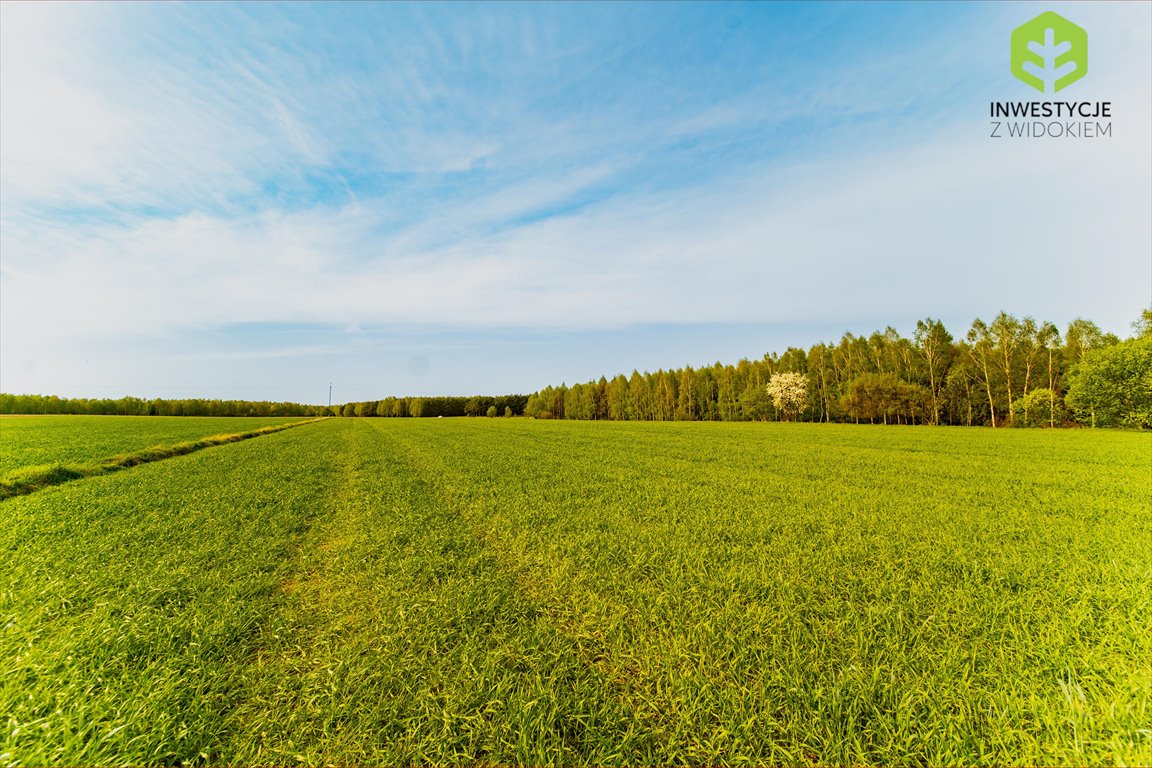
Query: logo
{"type": "Point", "coordinates": [1049, 52]}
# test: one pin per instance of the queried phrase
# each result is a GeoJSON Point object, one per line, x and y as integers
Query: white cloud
{"type": "Point", "coordinates": [961, 222]}
{"type": "Point", "coordinates": [952, 223]}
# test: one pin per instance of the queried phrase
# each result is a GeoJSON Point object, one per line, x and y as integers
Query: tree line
{"type": "Point", "coordinates": [1009, 371]}
{"type": "Point", "coordinates": [479, 405]}
{"type": "Point", "coordinates": [135, 406]}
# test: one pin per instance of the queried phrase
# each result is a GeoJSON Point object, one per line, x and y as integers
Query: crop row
{"type": "Point", "coordinates": [839, 595]}
{"type": "Point", "coordinates": [31, 479]}
{"type": "Point", "coordinates": [512, 591]}
{"type": "Point", "coordinates": [27, 441]}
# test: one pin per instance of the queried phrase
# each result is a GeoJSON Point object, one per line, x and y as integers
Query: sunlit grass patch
{"type": "Point", "coordinates": [509, 591]}
{"type": "Point", "coordinates": [30, 479]}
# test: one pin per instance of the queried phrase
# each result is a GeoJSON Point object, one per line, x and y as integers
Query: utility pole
{"type": "Point", "coordinates": [329, 394]}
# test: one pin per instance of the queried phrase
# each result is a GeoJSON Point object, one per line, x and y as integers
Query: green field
{"type": "Point", "coordinates": [33, 440]}
{"type": "Point", "coordinates": [504, 590]}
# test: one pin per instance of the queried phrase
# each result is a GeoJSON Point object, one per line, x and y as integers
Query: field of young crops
{"type": "Point", "coordinates": [504, 590]}
{"type": "Point", "coordinates": [31, 440]}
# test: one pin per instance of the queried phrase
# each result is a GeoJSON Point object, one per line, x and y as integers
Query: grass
{"type": "Point", "coordinates": [435, 591]}
{"type": "Point", "coordinates": [27, 441]}
{"type": "Point", "coordinates": [31, 479]}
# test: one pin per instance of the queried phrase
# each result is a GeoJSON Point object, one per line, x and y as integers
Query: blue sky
{"type": "Point", "coordinates": [255, 200]}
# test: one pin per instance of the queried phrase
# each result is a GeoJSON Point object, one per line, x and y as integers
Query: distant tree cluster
{"type": "Point", "coordinates": [135, 406]}
{"type": "Point", "coordinates": [477, 405]}
{"type": "Point", "coordinates": [1008, 371]}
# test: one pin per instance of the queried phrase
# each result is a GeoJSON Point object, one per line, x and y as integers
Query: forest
{"type": "Point", "coordinates": [1006, 372]}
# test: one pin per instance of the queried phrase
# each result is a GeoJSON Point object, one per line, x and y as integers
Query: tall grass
{"type": "Point", "coordinates": [509, 591]}
{"type": "Point", "coordinates": [27, 441]}
{"type": "Point", "coordinates": [799, 593]}
{"type": "Point", "coordinates": [31, 479]}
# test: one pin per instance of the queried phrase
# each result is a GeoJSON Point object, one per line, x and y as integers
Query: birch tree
{"type": "Point", "coordinates": [935, 346]}
{"type": "Point", "coordinates": [980, 350]}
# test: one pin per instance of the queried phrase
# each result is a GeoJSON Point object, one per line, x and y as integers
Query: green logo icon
{"type": "Point", "coordinates": [1049, 52]}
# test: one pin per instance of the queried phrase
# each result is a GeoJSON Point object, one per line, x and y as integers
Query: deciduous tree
{"type": "Point", "coordinates": [935, 346]}
{"type": "Point", "coordinates": [789, 393]}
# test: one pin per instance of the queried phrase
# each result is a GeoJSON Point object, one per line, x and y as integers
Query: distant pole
{"type": "Point", "coordinates": [329, 394]}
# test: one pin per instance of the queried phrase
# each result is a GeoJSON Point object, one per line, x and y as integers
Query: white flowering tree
{"type": "Point", "coordinates": [789, 393]}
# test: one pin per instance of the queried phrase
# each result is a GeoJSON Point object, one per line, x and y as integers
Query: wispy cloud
{"type": "Point", "coordinates": [170, 169]}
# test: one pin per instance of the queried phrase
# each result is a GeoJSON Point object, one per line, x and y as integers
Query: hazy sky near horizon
{"type": "Point", "coordinates": [254, 200]}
